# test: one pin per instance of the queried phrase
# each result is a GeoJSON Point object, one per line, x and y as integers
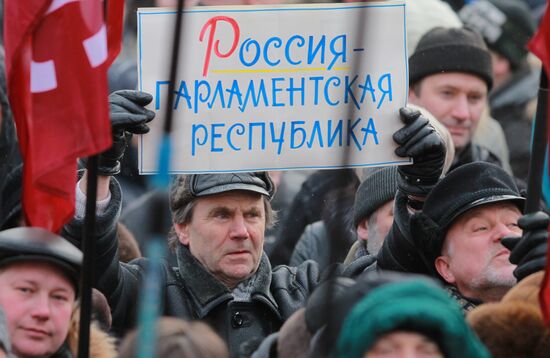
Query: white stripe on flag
{"type": "Point", "coordinates": [96, 47]}
{"type": "Point", "coordinates": [43, 77]}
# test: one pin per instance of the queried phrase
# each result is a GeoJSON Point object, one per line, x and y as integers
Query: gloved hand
{"type": "Point", "coordinates": [128, 115]}
{"type": "Point", "coordinates": [419, 140]}
{"type": "Point", "coordinates": [529, 250]}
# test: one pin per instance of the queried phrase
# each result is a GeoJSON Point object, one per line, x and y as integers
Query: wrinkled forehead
{"type": "Point", "coordinates": [231, 198]}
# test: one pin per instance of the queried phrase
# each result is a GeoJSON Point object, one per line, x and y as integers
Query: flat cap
{"type": "Point", "coordinates": [37, 244]}
{"type": "Point", "coordinates": [185, 188]}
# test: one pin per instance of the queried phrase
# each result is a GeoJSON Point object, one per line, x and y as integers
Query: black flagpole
{"type": "Point", "coordinates": [538, 147]}
{"type": "Point", "coordinates": [88, 251]}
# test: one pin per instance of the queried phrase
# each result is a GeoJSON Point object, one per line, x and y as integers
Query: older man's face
{"type": "Point", "coordinates": [473, 259]}
{"type": "Point", "coordinates": [38, 301]}
{"type": "Point", "coordinates": [456, 99]}
{"type": "Point", "coordinates": [226, 234]}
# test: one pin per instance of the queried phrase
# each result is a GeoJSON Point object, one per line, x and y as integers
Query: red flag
{"type": "Point", "coordinates": [57, 58]}
{"type": "Point", "coordinates": [540, 46]}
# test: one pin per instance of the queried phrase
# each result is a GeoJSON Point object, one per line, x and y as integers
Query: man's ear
{"type": "Point", "coordinates": [443, 268]}
{"type": "Point", "coordinates": [362, 230]}
{"type": "Point", "coordinates": [182, 230]}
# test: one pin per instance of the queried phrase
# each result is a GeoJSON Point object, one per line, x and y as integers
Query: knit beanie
{"type": "Point", "coordinates": [344, 293]}
{"type": "Point", "coordinates": [506, 26]}
{"type": "Point", "coordinates": [411, 306]}
{"type": "Point", "coordinates": [443, 50]}
{"type": "Point", "coordinates": [464, 188]}
{"type": "Point", "coordinates": [377, 189]}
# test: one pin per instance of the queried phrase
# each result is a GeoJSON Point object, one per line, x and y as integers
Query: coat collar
{"type": "Point", "coordinates": [208, 292]}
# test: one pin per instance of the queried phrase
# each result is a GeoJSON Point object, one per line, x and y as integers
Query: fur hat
{"type": "Point", "coordinates": [514, 327]}
{"type": "Point", "coordinates": [511, 329]}
{"type": "Point", "coordinates": [506, 26]}
{"type": "Point", "coordinates": [443, 50]}
{"type": "Point", "coordinates": [101, 344]}
{"type": "Point", "coordinates": [464, 188]}
{"type": "Point", "coordinates": [527, 290]}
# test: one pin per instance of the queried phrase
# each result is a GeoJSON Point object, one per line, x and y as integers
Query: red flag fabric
{"type": "Point", "coordinates": [540, 46]}
{"type": "Point", "coordinates": [57, 58]}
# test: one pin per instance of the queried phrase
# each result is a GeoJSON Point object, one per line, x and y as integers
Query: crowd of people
{"type": "Point", "coordinates": [432, 259]}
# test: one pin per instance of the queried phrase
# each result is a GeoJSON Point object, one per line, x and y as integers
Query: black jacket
{"type": "Point", "coordinates": [191, 292]}
{"type": "Point", "coordinates": [508, 105]}
{"type": "Point", "coordinates": [399, 251]}
{"type": "Point", "coordinates": [474, 153]}
{"type": "Point", "coordinates": [307, 208]}
{"type": "Point", "coordinates": [328, 241]}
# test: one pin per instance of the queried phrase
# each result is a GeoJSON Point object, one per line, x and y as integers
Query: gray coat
{"type": "Point", "coordinates": [191, 292]}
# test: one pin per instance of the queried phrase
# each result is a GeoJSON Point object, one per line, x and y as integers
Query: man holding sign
{"type": "Point", "coordinates": [223, 276]}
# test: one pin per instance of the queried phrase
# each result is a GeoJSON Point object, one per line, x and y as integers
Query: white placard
{"type": "Point", "coordinates": [276, 87]}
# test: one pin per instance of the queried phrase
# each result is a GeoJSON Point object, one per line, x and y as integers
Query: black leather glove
{"type": "Point", "coordinates": [128, 115]}
{"type": "Point", "coordinates": [529, 250]}
{"type": "Point", "coordinates": [419, 140]}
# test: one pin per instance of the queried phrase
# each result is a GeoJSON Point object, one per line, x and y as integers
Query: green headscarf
{"type": "Point", "coordinates": [413, 305]}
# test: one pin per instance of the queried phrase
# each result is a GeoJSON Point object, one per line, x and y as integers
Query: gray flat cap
{"type": "Point", "coordinates": [185, 188]}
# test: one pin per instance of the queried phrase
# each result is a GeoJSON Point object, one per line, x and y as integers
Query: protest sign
{"type": "Point", "coordinates": [276, 88]}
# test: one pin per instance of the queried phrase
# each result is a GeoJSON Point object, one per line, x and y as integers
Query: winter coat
{"type": "Point", "coordinates": [357, 249]}
{"type": "Point", "coordinates": [508, 106]}
{"type": "Point", "coordinates": [313, 245]}
{"type": "Point", "coordinates": [329, 240]}
{"type": "Point", "coordinates": [489, 134]}
{"type": "Point", "coordinates": [189, 291]}
{"type": "Point", "coordinates": [474, 153]}
{"type": "Point", "coordinates": [399, 251]}
{"type": "Point", "coordinates": [306, 208]}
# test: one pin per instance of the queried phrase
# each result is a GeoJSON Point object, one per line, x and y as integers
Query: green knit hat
{"type": "Point", "coordinates": [415, 305]}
